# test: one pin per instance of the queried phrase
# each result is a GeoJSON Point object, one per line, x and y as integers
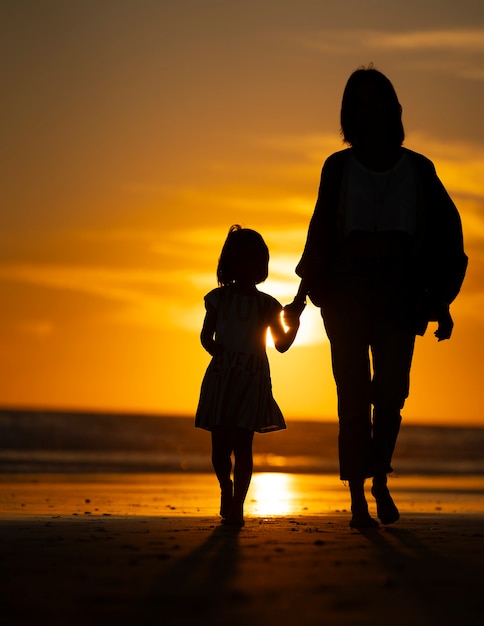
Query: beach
{"type": "Point", "coordinates": [113, 519]}
{"type": "Point", "coordinates": [88, 549]}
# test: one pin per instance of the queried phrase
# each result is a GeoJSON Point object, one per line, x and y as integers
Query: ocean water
{"type": "Point", "coordinates": [74, 442]}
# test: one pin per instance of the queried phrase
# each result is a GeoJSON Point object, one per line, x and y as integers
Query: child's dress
{"type": "Point", "coordinates": [236, 389]}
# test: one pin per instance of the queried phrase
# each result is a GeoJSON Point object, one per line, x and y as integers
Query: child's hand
{"type": "Point", "coordinates": [292, 312]}
{"type": "Point", "coordinates": [446, 324]}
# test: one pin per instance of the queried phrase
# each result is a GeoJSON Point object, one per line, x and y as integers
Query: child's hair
{"type": "Point", "coordinates": [244, 257]}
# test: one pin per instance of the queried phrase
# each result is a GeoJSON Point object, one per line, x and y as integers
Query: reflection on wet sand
{"type": "Point", "coordinates": [270, 494]}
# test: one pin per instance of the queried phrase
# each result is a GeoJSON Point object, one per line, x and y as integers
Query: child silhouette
{"type": "Point", "coordinates": [236, 393]}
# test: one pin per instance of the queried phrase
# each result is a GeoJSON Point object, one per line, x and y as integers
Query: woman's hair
{"type": "Point", "coordinates": [373, 79]}
{"type": "Point", "coordinates": [244, 257]}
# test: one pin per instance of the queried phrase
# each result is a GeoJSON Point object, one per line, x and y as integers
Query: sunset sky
{"type": "Point", "coordinates": [135, 132]}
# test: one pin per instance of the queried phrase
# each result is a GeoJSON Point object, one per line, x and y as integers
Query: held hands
{"type": "Point", "coordinates": [292, 312]}
{"type": "Point", "coordinates": [284, 333]}
{"type": "Point", "coordinates": [445, 323]}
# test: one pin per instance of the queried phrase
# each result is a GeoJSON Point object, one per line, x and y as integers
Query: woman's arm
{"type": "Point", "coordinates": [292, 311]}
{"type": "Point", "coordinates": [299, 301]}
{"type": "Point", "coordinates": [320, 250]}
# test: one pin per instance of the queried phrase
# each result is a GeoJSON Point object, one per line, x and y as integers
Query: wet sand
{"type": "Point", "coordinates": [149, 549]}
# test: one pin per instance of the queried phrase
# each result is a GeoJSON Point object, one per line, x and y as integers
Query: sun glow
{"type": "Point", "coordinates": [278, 493]}
{"type": "Point", "coordinates": [272, 493]}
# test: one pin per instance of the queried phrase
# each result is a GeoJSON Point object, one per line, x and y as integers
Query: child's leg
{"type": "Point", "coordinates": [242, 472]}
{"type": "Point", "coordinates": [222, 446]}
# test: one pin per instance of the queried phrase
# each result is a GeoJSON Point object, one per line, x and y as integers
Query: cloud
{"type": "Point", "coordinates": [464, 40]}
{"type": "Point", "coordinates": [456, 40]}
{"type": "Point", "coordinates": [457, 51]}
{"type": "Point", "coordinates": [117, 284]}
{"type": "Point", "coordinates": [38, 328]}
{"type": "Point", "coordinates": [143, 297]}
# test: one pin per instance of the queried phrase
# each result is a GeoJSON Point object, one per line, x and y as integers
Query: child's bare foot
{"type": "Point", "coordinates": [235, 517]}
{"type": "Point", "coordinates": [233, 520]}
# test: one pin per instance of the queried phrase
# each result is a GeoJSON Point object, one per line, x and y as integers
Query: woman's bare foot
{"type": "Point", "coordinates": [361, 520]}
{"type": "Point", "coordinates": [359, 506]}
{"type": "Point", "coordinates": [385, 507]}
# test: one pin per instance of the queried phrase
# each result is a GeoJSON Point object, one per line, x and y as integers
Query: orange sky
{"type": "Point", "coordinates": [136, 132]}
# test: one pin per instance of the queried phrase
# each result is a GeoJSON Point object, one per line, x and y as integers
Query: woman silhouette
{"type": "Point", "coordinates": [384, 256]}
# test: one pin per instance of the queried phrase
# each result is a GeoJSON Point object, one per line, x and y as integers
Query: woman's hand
{"type": "Point", "coordinates": [446, 323]}
{"type": "Point", "coordinates": [292, 312]}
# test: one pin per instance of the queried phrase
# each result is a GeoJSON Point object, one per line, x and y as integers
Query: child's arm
{"type": "Point", "coordinates": [283, 339]}
{"type": "Point", "coordinates": [208, 332]}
